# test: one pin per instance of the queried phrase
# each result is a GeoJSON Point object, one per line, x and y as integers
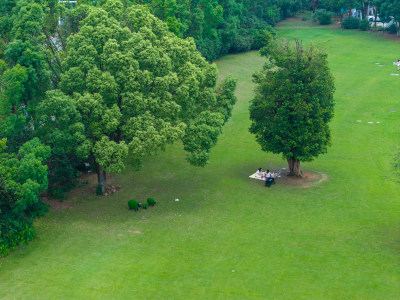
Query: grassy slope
{"type": "Point", "coordinates": [340, 239]}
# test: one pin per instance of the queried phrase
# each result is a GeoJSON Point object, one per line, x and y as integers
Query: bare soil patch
{"type": "Point", "coordinates": [57, 204]}
{"type": "Point", "coordinates": [306, 181]}
{"type": "Point", "coordinates": [134, 231]}
{"type": "Point", "coordinates": [86, 186]}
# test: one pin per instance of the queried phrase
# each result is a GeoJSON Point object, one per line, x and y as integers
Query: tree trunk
{"type": "Point", "coordinates": [294, 166]}
{"type": "Point", "coordinates": [102, 179]}
{"type": "Point", "coordinates": [376, 16]}
{"type": "Point", "coordinates": [364, 10]}
{"type": "Point", "coordinates": [315, 4]}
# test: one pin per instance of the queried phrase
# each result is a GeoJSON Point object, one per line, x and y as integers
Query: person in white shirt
{"type": "Point", "coordinates": [269, 179]}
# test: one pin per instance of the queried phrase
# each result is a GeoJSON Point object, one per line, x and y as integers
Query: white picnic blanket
{"type": "Point", "coordinates": [260, 176]}
{"type": "Point", "coordinates": [257, 176]}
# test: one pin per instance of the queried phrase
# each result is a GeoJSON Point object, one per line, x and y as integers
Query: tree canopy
{"type": "Point", "coordinates": [293, 103]}
{"type": "Point", "coordinates": [138, 87]}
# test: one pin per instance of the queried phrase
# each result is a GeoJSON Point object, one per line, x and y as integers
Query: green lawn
{"type": "Point", "coordinates": [229, 237]}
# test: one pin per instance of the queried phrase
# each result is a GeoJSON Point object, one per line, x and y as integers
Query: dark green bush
{"type": "Point", "coordinates": [324, 17]}
{"type": "Point", "coordinates": [151, 201]}
{"type": "Point", "coordinates": [16, 237]}
{"type": "Point", "coordinates": [263, 37]}
{"type": "Point", "coordinates": [144, 205]}
{"type": "Point", "coordinates": [351, 23]}
{"type": "Point", "coordinates": [242, 43]}
{"type": "Point", "coordinates": [99, 190]}
{"type": "Point", "coordinates": [392, 29]}
{"type": "Point", "coordinates": [17, 229]}
{"type": "Point", "coordinates": [365, 25]}
{"type": "Point", "coordinates": [133, 204]}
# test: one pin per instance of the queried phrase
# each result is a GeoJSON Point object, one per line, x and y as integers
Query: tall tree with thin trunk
{"type": "Point", "coordinates": [293, 103]}
{"type": "Point", "coordinates": [314, 4]}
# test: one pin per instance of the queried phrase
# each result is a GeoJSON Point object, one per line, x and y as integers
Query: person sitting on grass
{"type": "Point", "coordinates": [259, 172]}
{"type": "Point", "coordinates": [269, 179]}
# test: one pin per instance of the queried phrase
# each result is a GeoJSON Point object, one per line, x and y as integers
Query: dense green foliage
{"type": "Point", "coordinates": [365, 25]}
{"type": "Point", "coordinates": [151, 201]}
{"type": "Point", "coordinates": [391, 8]}
{"type": "Point", "coordinates": [222, 26]}
{"type": "Point", "coordinates": [136, 89]}
{"type": "Point", "coordinates": [133, 204]}
{"type": "Point", "coordinates": [351, 23]}
{"type": "Point", "coordinates": [23, 176]}
{"type": "Point", "coordinates": [293, 103]}
{"type": "Point", "coordinates": [324, 17]}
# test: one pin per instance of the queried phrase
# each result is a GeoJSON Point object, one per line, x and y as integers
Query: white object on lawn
{"type": "Point", "coordinates": [176, 200]}
{"type": "Point", "coordinates": [359, 121]}
{"type": "Point", "coordinates": [370, 122]}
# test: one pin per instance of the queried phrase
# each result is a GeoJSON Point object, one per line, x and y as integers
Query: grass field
{"type": "Point", "coordinates": [229, 237]}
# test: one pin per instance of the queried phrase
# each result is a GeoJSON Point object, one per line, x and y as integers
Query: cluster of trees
{"type": "Point", "coordinates": [384, 9]}
{"type": "Point", "coordinates": [222, 26]}
{"type": "Point", "coordinates": [106, 84]}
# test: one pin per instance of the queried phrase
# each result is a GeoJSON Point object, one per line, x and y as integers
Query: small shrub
{"type": "Point", "coordinates": [99, 190]}
{"type": "Point", "coordinates": [14, 238]}
{"type": "Point", "coordinates": [365, 25]}
{"type": "Point", "coordinates": [144, 205]}
{"type": "Point", "coordinates": [151, 201]}
{"type": "Point", "coordinates": [324, 17]}
{"type": "Point", "coordinates": [133, 204]}
{"type": "Point", "coordinates": [392, 29]}
{"type": "Point", "coordinates": [351, 23]}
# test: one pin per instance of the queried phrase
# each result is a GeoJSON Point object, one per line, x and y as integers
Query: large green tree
{"type": "Point", "coordinates": [138, 87]}
{"type": "Point", "coordinates": [293, 103]}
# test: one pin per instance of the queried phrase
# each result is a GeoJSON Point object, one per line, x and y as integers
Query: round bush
{"type": "Point", "coordinates": [144, 205]}
{"type": "Point", "coordinates": [392, 29]}
{"type": "Point", "coordinates": [133, 204]}
{"type": "Point", "coordinates": [151, 201]}
{"type": "Point", "coordinates": [365, 25]}
{"type": "Point", "coordinates": [351, 23]}
{"type": "Point", "coordinates": [324, 17]}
